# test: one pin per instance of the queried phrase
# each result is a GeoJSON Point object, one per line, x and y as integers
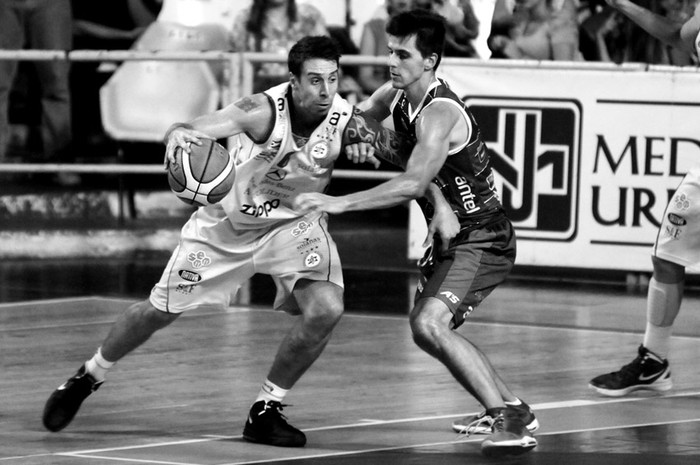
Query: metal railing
{"type": "Point", "coordinates": [238, 84]}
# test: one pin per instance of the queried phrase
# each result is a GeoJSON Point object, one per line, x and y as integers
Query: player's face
{"type": "Point", "coordinates": [406, 65]}
{"type": "Point", "coordinates": [316, 86]}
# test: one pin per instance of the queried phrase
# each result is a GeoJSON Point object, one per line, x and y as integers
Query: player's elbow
{"type": "Point", "coordinates": [415, 188]}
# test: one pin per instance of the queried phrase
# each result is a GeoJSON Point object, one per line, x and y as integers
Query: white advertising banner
{"type": "Point", "coordinates": [586, 159]}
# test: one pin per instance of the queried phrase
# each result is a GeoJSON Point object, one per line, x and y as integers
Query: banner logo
{"type": "Point", "coordinates": [534, 147]}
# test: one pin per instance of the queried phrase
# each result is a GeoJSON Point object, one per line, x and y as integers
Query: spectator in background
{"type": "Point", "coordinates": [606, 35]}
{"type": "Point", "coordinates": [112, 25]}
{"type": "Point", "coordinates": [644, 48]}
{"type": "Point", "coordinates": [273, 26]}
{"type": "Point", "coordinates": [679, 11]}
{"type": "Point", "coordinates": [374, 42]}
{"type": "Point", "coordinates": [461, 23]}
{"type": "Point", "coordinates": [601, 36]}
{"type": "Point", "coordinates": [535, 30]}
{"type": "Point", "coordinates": [39, 24]}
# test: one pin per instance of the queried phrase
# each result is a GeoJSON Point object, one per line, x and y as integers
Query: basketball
{"type": "Point", "coordinates": [204, 176]}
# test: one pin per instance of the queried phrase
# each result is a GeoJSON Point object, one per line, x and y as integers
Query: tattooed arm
{"type": "Point", "coordinates": [253, 115]}
{"type": "Point", "coordinates": [386, 144]}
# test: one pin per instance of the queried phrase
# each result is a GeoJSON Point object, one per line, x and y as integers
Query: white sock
{"type": "Point", "coordinates": [271, 392]}
{"type": "Point", "coordinates": [97, 366]}
{"type": "Point", "coordinates": [517, 401]}
{"type": "Point", "coordinates": [658, 339]}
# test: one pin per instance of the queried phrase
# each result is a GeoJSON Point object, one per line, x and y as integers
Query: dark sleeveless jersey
{"type": "Point", "coordinates": [466, 178]}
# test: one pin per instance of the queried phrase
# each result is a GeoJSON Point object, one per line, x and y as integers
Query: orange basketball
{"type": "Point", "coordinates": [204, 176]}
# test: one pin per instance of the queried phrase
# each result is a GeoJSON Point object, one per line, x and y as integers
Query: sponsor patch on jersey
{"type": "Point", "coordinates": [185, 289]}
{"type": "Point", "coordinates": [677, 219]}
{"type": "Point", "coordinates": [673, 233]}
{"type": "Point", "coordinates": [191, 276]}
{"type": "Point", "coordinates": [470, 309]}
{"type": "Point", "coordinates": [450, 296]}
{"type": "Point", "coordinates": [276, 174]}
{"type": "Point", "coordinates": [198, 259]}
{"type": "Point", "coordinates": [320, 150]}
{"type": "Point", "coordinates": [308, 243]}
{"type": "Point", "coordinates": [681, 202]}
{"type": "Point", "coordinates": [302, 227]}
{"type": "Point", "coordinates": [312, 260]}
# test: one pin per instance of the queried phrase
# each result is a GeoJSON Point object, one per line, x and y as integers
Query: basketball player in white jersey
{"type": "Point", "coordinates": [456, 277]}
{"type": "Point", "coordinates": [288, 140]}
{"type": "Point", "coordinates": [650, 370]}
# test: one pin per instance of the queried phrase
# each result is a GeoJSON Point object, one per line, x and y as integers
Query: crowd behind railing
{"type": "Point", "coordinates": [50, 110]}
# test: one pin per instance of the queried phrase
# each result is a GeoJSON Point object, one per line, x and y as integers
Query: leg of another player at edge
{"type": "Point", "coordinates": [321, 305]}
{"type": "Point", "coordinates": [133, 327]}
{"type": "Point", "coordinates": [430, 324]}
{"type": "Point", "coordinates": [663, 304]}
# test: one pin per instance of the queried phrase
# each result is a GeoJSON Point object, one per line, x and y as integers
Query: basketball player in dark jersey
{"type": "Point", "coordinates": [677, 243]}
{"type": "Point", "coordinates": [449, 156]}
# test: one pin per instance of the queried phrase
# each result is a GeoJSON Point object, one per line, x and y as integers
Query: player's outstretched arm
{"type": "Point", "coordinates": [661, 27]}
{"type": "Point", "coordinates": [365, 138]}
{"type": "Point", "coordinates": [433, 134]}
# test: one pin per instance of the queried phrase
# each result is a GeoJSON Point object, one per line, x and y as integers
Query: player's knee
{"type": "Point", "coordinates": [667, 272]}
{"type": "Point", "coordinates": [425, 328]}
{"type": "Point", "coordinates": [325, 314]}
{"type": "Point", "coordinates": [149, 317]}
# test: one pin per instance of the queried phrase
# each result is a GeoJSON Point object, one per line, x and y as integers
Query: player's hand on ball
{"type": "Point", "coordinates": [182, 137]}
{"type": "Point", "coordinates": [204, 175]}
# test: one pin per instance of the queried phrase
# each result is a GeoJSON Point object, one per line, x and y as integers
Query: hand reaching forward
{"type": "Point", "coordinates": [315, 202]}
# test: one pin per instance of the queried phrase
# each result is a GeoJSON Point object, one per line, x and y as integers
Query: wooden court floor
{"type": "Point", "coordinates": [372, 398]}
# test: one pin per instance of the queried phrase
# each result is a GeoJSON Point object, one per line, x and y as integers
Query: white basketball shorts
{"type": "Point", "coordinates": [213, 259]}
{"type": "Point", "coordinates": [678, 239]}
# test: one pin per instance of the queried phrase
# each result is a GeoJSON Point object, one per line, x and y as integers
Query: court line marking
{"type": "Point", "coordinates": [87, 455]}
{"type": "Point", "coordinates": [48, 301]}
{"type": "Point", "coordinates": [539, 406]}
{"type": "Point", "coordinates": [301, 457]}
{"type": "Point", "coordinates": [194, 314]}
{"type": "Point", "coordinates": [530, 325]}
{"type": "Point", "coordinates": [237, 309]}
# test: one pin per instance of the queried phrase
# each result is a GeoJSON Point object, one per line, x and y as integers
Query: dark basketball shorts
{"type": "Point", "coordinates": [472, 268]}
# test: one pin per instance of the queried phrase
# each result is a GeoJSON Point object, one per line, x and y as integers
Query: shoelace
{"type": "Point", "coordinates": [472, 427]}
{"type": "Point", "coordinates": [274, 407]}
{"type": "Point", "coordinates": [633, 369]}
{"type": "Point", "coordinates": [498, 423]}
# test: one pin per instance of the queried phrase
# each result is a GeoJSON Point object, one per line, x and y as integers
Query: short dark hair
{"type": "Point", "coordinates": [428, 27]}
{"type": "Point", "coordinates": [311, 47]}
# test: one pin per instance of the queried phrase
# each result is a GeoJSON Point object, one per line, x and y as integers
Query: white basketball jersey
{"type": "Point", "coordinates": [270, 174]}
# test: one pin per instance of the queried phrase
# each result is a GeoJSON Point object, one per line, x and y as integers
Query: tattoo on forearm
{"type": "Point", "coordinates": [247, 104]}
{"type": "Point", "coordinates": [389, 145]}
{"type": "Point", "coordinates": [393, 147]}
